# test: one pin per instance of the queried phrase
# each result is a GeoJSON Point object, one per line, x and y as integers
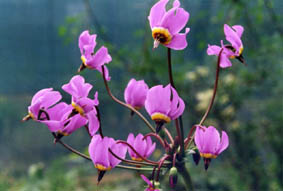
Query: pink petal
{"type": "Point", "coordinates": [100, 58]}
{"type": "Point", "coordinates": [239, 30]}
{"type": "Point", "coordinates": [146, 180]}
{"type": "Point", "coordinates": [101, 155]}
{"type": "Point", "coordinates": [140, 145]}
{"type": "Point", "coordinates": [199, 139]}
{"type": "Point", "coordinates": [157, 12]}
{"type": "Point", "coordinates": [176, 4]}
{"type": "Point", "coordinates": [179, 41]}
{"type": "Point", "coordinates": [120, 150]}
{"type": "Point", "coordinates": [224, 143]}
{"type": "Point", "coordinates": [77, 87]}
{"type": "Point", "coordinates": [93, 122]}
{"type": "Point", "coordinates": [175, 20]}
{"type": "Point", "coordinates": [131, 141]}
{"type": "Point", "coordinates": [232, 37]}
{"type": "Point", "coordinates": [76, 122]}
{"type": "Point", "coordinates": [86, 39]}
{"type": "Point", "coordinates": [211, 140]}
{"type": "Point", "coordinates": [213, 50]}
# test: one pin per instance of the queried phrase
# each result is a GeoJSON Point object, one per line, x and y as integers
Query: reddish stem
{"type": "Point", "coordinates": [157, 137]}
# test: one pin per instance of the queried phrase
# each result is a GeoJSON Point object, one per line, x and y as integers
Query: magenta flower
{"type": "Point", "coordinates": [81, 103]}
{"type": "Point", "coordinates": [166, 25]}
{"type": "Point", "coordinates": [135, 93]}
{"type": "Point", "coordinates": [60, 121]}
{"type": "Point", "coordinates": [209, 143]}
{"type": "Point", "coordinates": [164, 104]}
{"type": "Point", "coordinates": [151, 186]}
{"type": "Point", "coordinates": [143, 146]}
{"type": "Point", "coordinates": [43, 99]}
{"type": "Point", "coordinates": [234, 50]}
{"type": "Point", "coordinates": [90, 60]}
{"type": "Point", "coordinates": [102, 159]}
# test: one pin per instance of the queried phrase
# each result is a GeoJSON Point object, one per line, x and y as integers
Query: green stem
{"type": "Point", "coordinates": [186, 177]}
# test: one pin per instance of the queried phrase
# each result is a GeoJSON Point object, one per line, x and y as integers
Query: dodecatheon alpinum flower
{"type": "Point", "coordinates": [151, 186]}
{"type": "Point", "coordinates": [166, 25]}
{"type": "Point", "coordinates": [234, 50]}
{"type": "Point", "coordinates": [135, 93]}
{"type": "Point", "coordinates": [99, 153]}
{"type": "Point", "coordinates": [90, 59]}
{"type": "Point", "coordinates": [143, 146]}
{"type": "Point", "coordinates": [163, 104]}
{"type": "Point", "coordinates": [209, 143]}
{"type": "Point", "coordinates": [43, 99]}
{"type": "Point", "coordinates": [60, 120]}
{"type": "Point", "coordinates": [81, 103]}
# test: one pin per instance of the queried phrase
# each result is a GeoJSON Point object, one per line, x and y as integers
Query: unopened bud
{"type": "Point", "coordinates": [173, 177]}
{"type": "Point", "coordinates": [196, 157]}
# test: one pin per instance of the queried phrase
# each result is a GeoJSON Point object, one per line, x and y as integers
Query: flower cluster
{"type": "Point", "coordinates": [162, 104]}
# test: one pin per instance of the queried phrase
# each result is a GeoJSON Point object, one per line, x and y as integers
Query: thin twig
{"type": "Point", "coordinates": [157, 137]}
{"type": "Point", "coordinates": [124, 104]}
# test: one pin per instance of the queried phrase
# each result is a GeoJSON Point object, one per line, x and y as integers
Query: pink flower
{"type": "Point", "coordinates": [60, 121]}
{"type": "Point", "coordinates": [102, 159]}
{"type": "Point", "coordinates": [164, 104]}
{"type": "Point", "coordinates": [166, 25]}
{"type": "Point", "coordinates": [151, 186]}
{"type": "Point", "coordinates": [234, 50]}
{"type": "Point", "coordinates": [81, 103]}
{"type": "Point", "coordinates": [135, 93]}
{"type": "Point", "coordinates": [90, 60]}
{"type": "Point", "coordinates": [43, 99]}
{"type": "Point", "coordinates": [143, 146]}
{"type": "Point", "coordinates": [209, 143]}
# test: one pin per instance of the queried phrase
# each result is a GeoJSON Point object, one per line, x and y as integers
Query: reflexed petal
{"type": "Point", "coordinates": [86, 103]}
{"type": "Point", "coordinates": [146, 180]}
{"type": "Point", "coordinates": [158, 99]}
{"type": "Point", "coordinates": [239, 30]}
{"type": "Point", "coordinates": [179, 41]}
{"type": "Point", "coordinates": [131, 141]}
{"type": "Point", "coordinates": [128, 91]}
{"type": "Point", "coordinates": [176, 4]}
{"type": "Point", "coordinates": [93, 122]}
{"type": "Point", "coordinates": [77, 87]}
{"type": "Point", "coordinates": [107, 77]}
{"type": "Point", "coordinates": [232, 37]}
{"type": "Point", "coordinates": [213, 50]}
{"type": "Point", "coordinates": [58, 111]}
{"type": "Point", "coordinates": [199, 139]}
{"type": "Point", "coordinates": [76, 122]}
{"type": "Point", "coordinates": [175, 20]}
{"type": "Point", "coordinates": [100, 58]}
{"type": "Point", "coordinates": [140, 144]}
{"type": "Point", "coordinates": [157, 12]}
{"type": "Point", "coordinates": [101, 155]}
{"type": "Point", "coordinates": [53, 125]}
{"type": "Point", "coordinates": [93, 145]}
{"type": "Point", "coordinates": [120, 150]}
{"type": "Point", "coordinates": [39, 94]}
{"type": "Point", "coordinates": [138, 94]}
{"type": "Point", "coordinates": [224, 143]}
{"type": "Point", "coordinates": [211, 140]}
{"type": "Point", "coordinates": [225, 61]}
{"type": "Point", "coordinates": [86, 39]}
{"type": "Point", "coordinates": [150, 149]}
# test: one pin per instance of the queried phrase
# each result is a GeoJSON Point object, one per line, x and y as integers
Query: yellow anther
{"type": "Point", "coordinates": [162, 35]}
{"type": "Point", "coordinates": [78, 109]}
{"type": "Point", "coordinates": [208, 155]}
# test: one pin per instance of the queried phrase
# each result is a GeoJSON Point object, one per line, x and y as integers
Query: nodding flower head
{"type": "Point", "coordinates": [142, 145]}
{"type": "Point", "coordinates": [83, 105]}
{"type": "Point", "coordinates": [90, 59]}
{"type": "Point", "coordinates": [43, 99]}
{"type": "Point", "coordinates": [60, 120]}
{"type": "Point", "coordinates": [209, 143]}
{"type": "Point", "coordinates": [151, 185]}
{"type": "Point", "coordinates": [166, 25]}
{"type": "Point", "coordinates": [164, 104]}
{"type": "Point", "coordinates": [99, 153]}
{"type": "Point", "coordinates": [135, 93]}
{"type": "Point", "coordinates": [233, 50]}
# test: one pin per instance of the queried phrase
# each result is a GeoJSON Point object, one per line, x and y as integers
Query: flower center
{"type": "Point", "coordinates": [208, 155]}
{"type": "Point", "coordinates": [83, 58]}
{"type": "Point", "coordinates": [32, 116]}
{"type": "Point", "coordinates": [102, 168]}
{"type": "Point", "coordinates": [78, 109]}
{"type": "Point", "coordinates": [63, 133]}
{"type": "Point", "coordinates": [162, 35]}
{"type": "Point", "coordinates": [160, 117]}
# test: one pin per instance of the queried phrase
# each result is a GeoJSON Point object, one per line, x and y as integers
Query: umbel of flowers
{"type": "Point", "coordinates": [162, 103]}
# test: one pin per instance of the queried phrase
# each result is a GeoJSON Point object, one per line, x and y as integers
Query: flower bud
{"type": "Point", "coordinates": [173, 177]}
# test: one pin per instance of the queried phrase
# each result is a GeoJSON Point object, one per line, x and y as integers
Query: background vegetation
{"type": "Point", "coordinates": [38, 49]}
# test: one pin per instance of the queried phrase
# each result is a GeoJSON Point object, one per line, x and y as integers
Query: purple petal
{"type": "Point", "coordinates": [239, 30]}
{"type": "Point", "coordinates": [157, 12]}
{"type": "Point", "coordinates": [53, 125]}
{"type": "Point", "coordinates": [86, 39]}
{"type": "Point", "coordinates": [199, 139]}
{"type": "Point", "coordinates": [135, 93]}
{"type": "Point", "coordinates": [213, 50]}
{"type": "Point", "coordinates": [140, 145]}
{"type": "Point", "coordinates": [232, 37]}
{"type": "Point", "coordinates": [225, 60]}
{"type": "Point", "coordinates": [177, 105]}
{"type": "Point", "coordinates": [93, 145]}
{"type": "Point", "coordinates": [77, 87]}
{"type": "Point", "coordinates": [179, 41]}
{"type": "Point", "coordinates": [158, 100]}
{"type": "Point", "coordinates": [131, 141]}
{"type": "Point", "coordinates": [76, 122]}
{"type": "Point", "coordinates": [211, 140]}
{"type": "Point", "coordinates": [223, 144]}
{"type": "Point", "coordinates": [176, 4]}
{"type": "Point", "coordinates": [100, 58]}
{"type": "Point", "coordinates": [93, 122]}
{"type": "Point", "coordinates": [120, 150]}
{"type": "Point", "coordinates": [175, 20]}
{"type": "Point", "coordinates": [107, 77]}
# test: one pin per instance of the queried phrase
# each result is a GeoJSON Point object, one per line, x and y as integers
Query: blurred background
{"type": "Point", "coordinates": [38, 49]}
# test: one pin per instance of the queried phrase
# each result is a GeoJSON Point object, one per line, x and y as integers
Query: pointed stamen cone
{"type": "Point", "coordinates": [132, 113]}
{"type": "Point", "coordinates": [156, 43]}
{"type": "Point", "coordinates": [26, 118]}
{"type": "Point", "coordinates": [74, 112]}
{"type": "Point", "coordinates": [206, 163]}
{"type": "Point", "coordinates": [82, 67]}
{"type": "Point", "coordinates": [241, 59]}
{"type": "Point", "coordinates": [196, 157]}
{"type": "Point", "coordinates": [100, 176]}
{"type": "Point", "coordinates": [159, 126]}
